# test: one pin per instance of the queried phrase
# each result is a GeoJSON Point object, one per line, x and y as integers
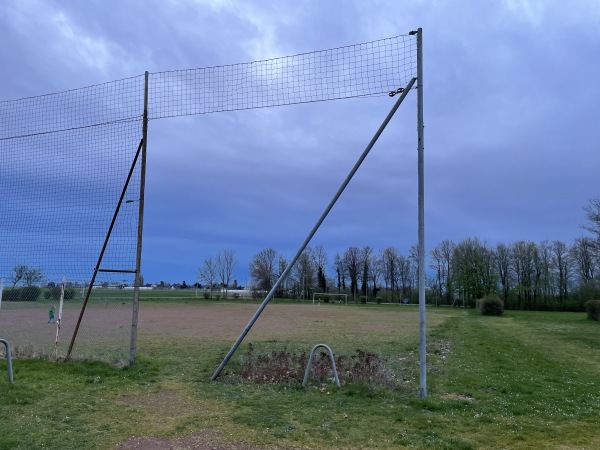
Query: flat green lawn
{"type": "Point", "coordinates": [525, 380]}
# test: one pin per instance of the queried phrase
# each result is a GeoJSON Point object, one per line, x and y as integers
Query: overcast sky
{"type": "Point", "coordinates": [512, 121]}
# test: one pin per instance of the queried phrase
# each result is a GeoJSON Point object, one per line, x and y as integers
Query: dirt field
{"type": "Point", "coordinates": [106, 326]}
{"type": "Point", "coordinates": [227, 321]}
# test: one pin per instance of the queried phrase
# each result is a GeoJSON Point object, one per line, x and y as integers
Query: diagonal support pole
{"type": "Point", "coordinates": [314, 230]}
{"type": "Point", "coordinates": [106, 239]}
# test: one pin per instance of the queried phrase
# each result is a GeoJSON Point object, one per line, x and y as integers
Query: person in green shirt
{"type": "Point", "coordinates": [51, 314]}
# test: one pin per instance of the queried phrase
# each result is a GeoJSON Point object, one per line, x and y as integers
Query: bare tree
{"type": "Point", "coordinates": [33, 276]}
{"type": "Point", "coordinates": [375, 272]}
{"type": "Point", "coordinates": [545, 283]}
{"type": "Point", "coordinates": [388, 258]}
{"type": "Point", "coordinates": [305, 273]}
{"type": "Point", "coordinates": [263, 270]}
{"type": "Point", "coordinates": [446, 249]}
{"type": "Point", "coordinates": [340, 272]}
{"type": "Point", "coordinates": [19, 272]}
{"type": "Point", "coordinates": [561, 263]}
{"type": "Point", "coordinates": [437, 263]}
{"type": "Point", "coordinates": [592, 211]}
{"type": "Point", "coordinates": [365, 261]}
{"type": "Point", "coordinates": [582, 253]}
{"type": "Point", "coordinates": [208, 274]}
{"type": "Point", "coordinates": [503, 262]}
{"type": "Point", "coordinates": [225, 263]}
{"type": "Point", "coordinates": [524, 255]}
{"type": "Point", "coordinates": [284, 285]}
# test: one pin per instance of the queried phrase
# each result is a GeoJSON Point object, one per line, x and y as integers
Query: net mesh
{"type": "Point", "coordinates": [65, 159]}
{"type": "Point", "coordinates": [359, 70]}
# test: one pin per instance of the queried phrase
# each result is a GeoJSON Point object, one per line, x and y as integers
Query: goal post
{"type": "Point", "coordinates": [326, 297]}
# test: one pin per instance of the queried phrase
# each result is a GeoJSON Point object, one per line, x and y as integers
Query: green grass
{"type": "Point", "coordinates": [524, 380]}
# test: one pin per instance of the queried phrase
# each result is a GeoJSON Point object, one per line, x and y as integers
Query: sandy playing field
{"type": "Point", "coordinates": [106, 326]}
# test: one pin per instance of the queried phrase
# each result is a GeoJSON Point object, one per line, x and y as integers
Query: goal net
{"type": "Point", "coordinates": [326, 297]}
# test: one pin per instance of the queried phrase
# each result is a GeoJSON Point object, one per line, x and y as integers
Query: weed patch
{"type": "Point", "coordinates": [284, 366]}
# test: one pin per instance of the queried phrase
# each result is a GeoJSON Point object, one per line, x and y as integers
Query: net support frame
{"type": "Point", "coordinates": [97, 268]}
{"type": "Point", "coordinates": [140, 229]}
{"type": "Point", "coordinates": [337, 195]}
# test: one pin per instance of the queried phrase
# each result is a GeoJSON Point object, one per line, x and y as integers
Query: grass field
{"type": "Point", "coordinates": [525, 380]}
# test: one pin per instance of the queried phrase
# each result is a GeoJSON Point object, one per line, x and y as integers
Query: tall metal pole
{"type": "Point", "coordinates": [314, 229]}
{"type": "Point", "coordinates": [420, 163]}
{"type": "Point", "coordinates": [138, 256]}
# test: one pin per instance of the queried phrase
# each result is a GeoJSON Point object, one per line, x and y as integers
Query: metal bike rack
{"type": "Point", "coordinates": [8, 360]}
{"type": "Point", "coordinates": [309, 365]}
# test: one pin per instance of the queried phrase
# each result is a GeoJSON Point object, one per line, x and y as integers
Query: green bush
{"type": "Point", "coordinates": [54, 292]}
{"type": "Point", "coordinates": [592, 308]}
{"type": "Point", "coordinates": [491, 306]}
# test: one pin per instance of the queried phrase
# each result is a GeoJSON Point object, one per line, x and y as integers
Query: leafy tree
{"type": "Point", "coordinates": [472, 270]}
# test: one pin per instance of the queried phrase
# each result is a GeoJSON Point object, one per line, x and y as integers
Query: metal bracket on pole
{"type": "Point", "coordinates": [309, 365]}
{"type": "Point", "coordinates": [8, 360]}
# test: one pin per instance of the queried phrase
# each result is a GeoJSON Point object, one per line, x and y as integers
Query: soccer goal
{"type": "Point", "coordinates": [326, 297]}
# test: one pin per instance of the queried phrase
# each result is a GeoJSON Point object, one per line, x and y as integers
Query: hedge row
{"type": "Point", "coordinates": [22, 294]}
{"type": "Point", "coordinates": [54, 292]}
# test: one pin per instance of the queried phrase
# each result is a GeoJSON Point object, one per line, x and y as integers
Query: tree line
{"type": "Point", "coordinates": [550, 275]}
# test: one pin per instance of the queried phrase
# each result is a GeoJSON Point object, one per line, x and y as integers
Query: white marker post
{"type": "Point", "coordinates": [60, 307]}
